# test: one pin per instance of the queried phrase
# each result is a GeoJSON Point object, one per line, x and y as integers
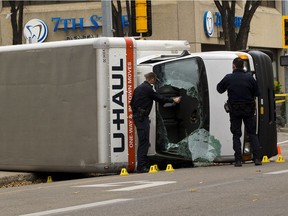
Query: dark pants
{"type": "Point", "coordinates": [249, 119]}
{"type": "Point", "coordinates": [143, 131]}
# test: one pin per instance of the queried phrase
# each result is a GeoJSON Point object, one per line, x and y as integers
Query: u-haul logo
{"type": "Point", "coordinates": [118, 100]}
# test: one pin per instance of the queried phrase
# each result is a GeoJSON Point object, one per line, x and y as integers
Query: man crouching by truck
{"type": "Point", "coordinates": [141, 104]}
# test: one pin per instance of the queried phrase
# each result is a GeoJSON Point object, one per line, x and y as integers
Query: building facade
{"type": "Point", "coordinates": [171, 20]}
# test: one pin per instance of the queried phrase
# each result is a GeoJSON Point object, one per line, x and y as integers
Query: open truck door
{"type": "Point", "coordinates": [267, 132]}
{"type": "Point", "coordinates": [177, 126]}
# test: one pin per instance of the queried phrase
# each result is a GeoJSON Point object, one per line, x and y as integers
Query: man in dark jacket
{"type": "Point", "coordinates": [242, 89]}
{"type": "Point", "coordinates": [141, 104]}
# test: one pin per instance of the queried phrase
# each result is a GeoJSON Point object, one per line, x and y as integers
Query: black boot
{"type": "Point", "coordinates": [257, 162]}
{"type": "Point", "coordinates": [238, 164]}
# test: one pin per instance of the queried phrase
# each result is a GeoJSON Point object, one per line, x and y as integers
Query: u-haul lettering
{"type": "Point", "coordinates": [118, 111]}
{"type": "Point", "coordinates": [130, 89]}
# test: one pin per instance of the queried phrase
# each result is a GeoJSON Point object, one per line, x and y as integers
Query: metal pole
{"type": "Point", "coordinates": [284, 13]}
{"type": "Point", "coordinates": [107, 30]}
{"type": "Point", "coordinates": [1, 3]}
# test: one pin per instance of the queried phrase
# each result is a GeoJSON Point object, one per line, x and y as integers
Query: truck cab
{"type": "Point", "coordinates": [198, 128]}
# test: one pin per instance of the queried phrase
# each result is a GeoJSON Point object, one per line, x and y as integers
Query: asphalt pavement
{"type": "Point", "coordinates": [8, 177]}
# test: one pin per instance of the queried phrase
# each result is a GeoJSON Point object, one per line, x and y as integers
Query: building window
{"type": "Point", "coordinates": [268, 3]}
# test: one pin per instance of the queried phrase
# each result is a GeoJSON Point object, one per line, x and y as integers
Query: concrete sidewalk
{"type": "Point", "coordinates": [284, 130]}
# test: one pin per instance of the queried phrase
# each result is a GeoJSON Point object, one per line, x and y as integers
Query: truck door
{"type": "Point", "coordinates": [267, 132]}
{"type": "Point", "coordinates": [175, 123]}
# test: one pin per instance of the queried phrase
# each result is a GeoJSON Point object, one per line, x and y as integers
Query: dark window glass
{"type": "Point", "coordinates": [177, 124]}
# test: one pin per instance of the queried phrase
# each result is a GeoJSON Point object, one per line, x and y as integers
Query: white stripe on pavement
{"type": "Point", "coordinates": [277, 172]}
{"type": "Point", "coordinates": [279, 143]}
{"type": "Point", "coordinates": [73, 208]}
{"type": "Point", "coordinates": [136, 185]}
{"type": "Point", "coordinates": [145, 185]}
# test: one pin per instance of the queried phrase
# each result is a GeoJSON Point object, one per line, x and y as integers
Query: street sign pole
{"type": "Point", "coordinates": [285, 12]}
{"type": "Point", "coordinates": [107, 30]}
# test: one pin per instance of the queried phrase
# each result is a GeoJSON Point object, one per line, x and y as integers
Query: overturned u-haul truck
{"type": "Point", "coordinates": [65, 105]}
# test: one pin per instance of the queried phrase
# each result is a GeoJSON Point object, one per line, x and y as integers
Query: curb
{"type": "Point", "coordinates": [10, 179]}
{"type": "Point", "coordinates": [284, 130]}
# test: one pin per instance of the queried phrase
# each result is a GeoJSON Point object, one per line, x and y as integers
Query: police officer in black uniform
{"type": "Point", "coordinates": [141, 104]}
{"type": "Point", "coordinates": [242, 89]}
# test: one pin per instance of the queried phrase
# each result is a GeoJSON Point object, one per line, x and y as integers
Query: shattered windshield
{"type": "Point", "coordinates": [183, 129]}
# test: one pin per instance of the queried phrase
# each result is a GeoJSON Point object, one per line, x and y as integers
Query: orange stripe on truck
{"type": "Point", "coordinates": [130, 69]}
